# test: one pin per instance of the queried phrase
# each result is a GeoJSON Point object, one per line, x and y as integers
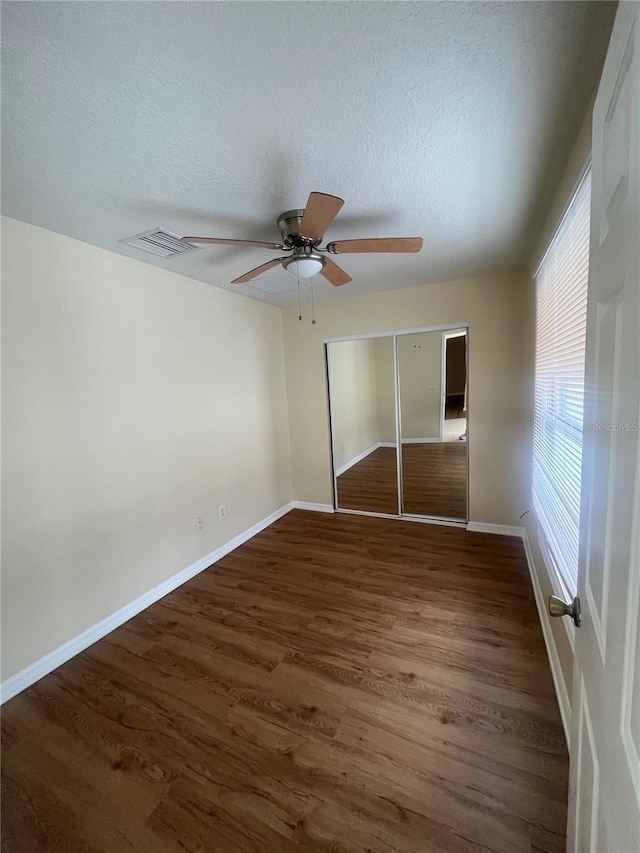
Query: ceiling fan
{"type": "Point", "coordinates": [302, 232]}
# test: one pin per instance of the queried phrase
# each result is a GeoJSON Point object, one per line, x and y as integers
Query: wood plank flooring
{"type": "Point", "coordinates": [338, 683]}
{"type": "Point", "coordinates": [371, 485]}
{"type": "Point", "coordinates": [434, 481]}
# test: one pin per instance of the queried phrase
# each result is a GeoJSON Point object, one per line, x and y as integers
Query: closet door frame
{"type": "Point", "coordinates": [394, 334]}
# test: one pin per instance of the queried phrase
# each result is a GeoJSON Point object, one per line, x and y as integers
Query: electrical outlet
{"type": "Point", "coordinates": [221, 512]}
{"type": "Point", "coordinates": [200, 522]}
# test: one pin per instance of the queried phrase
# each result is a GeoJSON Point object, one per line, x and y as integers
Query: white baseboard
{"type": "Point", "coordinates": [408, 441]}
{"type": "Point", "coordinates": [313, 507]}
{"type": "Point", "coordinates": [441, 522]}
{"type": "Point", "coordinates": [356, 459]}
{"type": "Point", "coordinates": [52, 660]}
{"type": "Point", "coordinates": [499, 529]}
{"type": "Point", "coordinates": [420, 519]}
{"type": "Point", "coordinates": [552, 653]}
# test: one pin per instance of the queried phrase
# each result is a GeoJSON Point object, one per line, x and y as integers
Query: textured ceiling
{"type": "Point", "coordinates": [450, 121]}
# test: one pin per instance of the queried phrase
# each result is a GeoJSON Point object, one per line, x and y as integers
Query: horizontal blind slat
{"type": "Point", "coordinates": [561, 315]}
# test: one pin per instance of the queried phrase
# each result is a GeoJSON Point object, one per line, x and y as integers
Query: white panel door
{"type": "Point", "coordinates": [604, 806]}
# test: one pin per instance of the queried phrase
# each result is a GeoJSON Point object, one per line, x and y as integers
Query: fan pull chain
{"type": "Point", "coordinates": [313, 307]}
{"type": "Point", "coordinates": [299, 305]}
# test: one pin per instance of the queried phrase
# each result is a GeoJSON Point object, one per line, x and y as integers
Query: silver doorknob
{"type": "Point", "coordinates": [558, 607]}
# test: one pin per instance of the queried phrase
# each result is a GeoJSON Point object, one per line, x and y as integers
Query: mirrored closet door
{"type": "Point", "coordinates": [363, 424]}
{"type": "Point", "coordinates": [432, 390]}
{"type": "Point", "coordinates": [398, 417]}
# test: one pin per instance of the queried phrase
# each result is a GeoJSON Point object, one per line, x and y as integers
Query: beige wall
{"type": "Point", "coordinates": [578, 157]}
{"type": "Point", "coordinates": [420, 373]}
{"type": "Point", "coordinates": [495, 308]}
{"type": "Point", "coordinates": [135, 400]}
{"type": "Point", "coordinates": [361, 375]}
{"type": "Point", "coordinates": [354, 409]}
{"type": "Point", "coordinates": [386, 389]}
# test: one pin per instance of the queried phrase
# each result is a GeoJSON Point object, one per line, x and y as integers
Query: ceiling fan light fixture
{"type": "Point", "coordinates": [305, 267]}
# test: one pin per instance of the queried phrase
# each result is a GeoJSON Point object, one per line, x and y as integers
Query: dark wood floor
{"type": "Point", "coordinates": [338, 683]}
{"type": "Point", "coordinates": [371, 485]}
{"type": "Point", "coordinates": [434, 480]}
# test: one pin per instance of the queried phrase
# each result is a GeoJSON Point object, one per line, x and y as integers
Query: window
{"type": "Point", "coordinates": [561, 317]}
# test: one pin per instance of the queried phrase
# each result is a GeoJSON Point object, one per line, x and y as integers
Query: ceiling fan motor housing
{"type": "Point", "coordinates": [289, 225]}
{"type": "Point", "coordinates": [305, 262]}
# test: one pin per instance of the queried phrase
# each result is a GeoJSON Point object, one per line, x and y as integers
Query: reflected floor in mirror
{"type": "Point", "coordinates": [371, 485]}
{"type": "Point", "coordinates": [435, 481]}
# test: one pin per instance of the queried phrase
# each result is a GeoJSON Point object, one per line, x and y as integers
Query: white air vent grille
{"type": "Point", "coordinates": [160, 242]}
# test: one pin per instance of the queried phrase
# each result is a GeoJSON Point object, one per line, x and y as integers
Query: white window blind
{"type": "Point", "coordinates": [561, 315]}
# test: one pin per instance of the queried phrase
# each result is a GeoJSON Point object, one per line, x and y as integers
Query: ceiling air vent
{"type": "Point", "coordinates": [160, 242]}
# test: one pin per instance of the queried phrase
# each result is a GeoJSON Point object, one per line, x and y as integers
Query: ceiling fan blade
{"type": "Point", "coordinates": [256, 272]}
{"type": "Point", "coordinates": [222, 241]}
{"type": "Point", "coordinates": [333, 273]}
{"type": "Point", "coordinates": [319, 213]}
{"type": "Point", "coordinates": [383, 244]}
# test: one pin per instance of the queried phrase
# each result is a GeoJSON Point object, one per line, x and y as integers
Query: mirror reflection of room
{"type": "Point", "coordinates": [433, 387]}
{"type": "Point", "coordinates": [455, 417]}
{"type": "Point", "coordinates": [362, 391]}
{"type": "Point", "coordinates": [425, 404]}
